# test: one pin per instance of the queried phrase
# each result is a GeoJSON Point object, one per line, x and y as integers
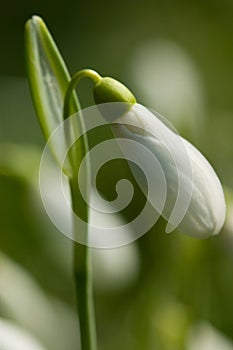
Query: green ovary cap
{"type": "Point", "coordinates": [111, 90]}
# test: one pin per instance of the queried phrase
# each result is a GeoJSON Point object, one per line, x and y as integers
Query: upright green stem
{"type": "Point", "coordinates": [83, 277]}
{"type": "Point", "coordinates": [81, 252]}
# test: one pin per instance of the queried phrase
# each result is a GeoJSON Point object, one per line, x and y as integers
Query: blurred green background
{"type": "Point", "coordinates": [163, 292]}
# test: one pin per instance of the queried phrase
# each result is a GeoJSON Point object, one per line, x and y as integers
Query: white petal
{"type": "Point", "coordinates": [195, 200]}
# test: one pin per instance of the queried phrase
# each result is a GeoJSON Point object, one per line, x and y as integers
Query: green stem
{"type": "Point", "coordinates": [83, 277]}
{"type": "Point", "coordinates": [85, 73]}
{"type": "Point", "coordinates": [81, 252]}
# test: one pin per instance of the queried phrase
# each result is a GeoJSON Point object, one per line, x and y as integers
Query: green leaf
{"type": "Point", "coordinates": [48, 75]}
{"type": "Point", "coordinates": [49, 79]}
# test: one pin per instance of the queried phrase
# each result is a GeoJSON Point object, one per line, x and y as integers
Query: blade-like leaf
{"type": "Point", "coordinates": [48, 75]}
{"type": "Point", "coordinates": [49, 78]}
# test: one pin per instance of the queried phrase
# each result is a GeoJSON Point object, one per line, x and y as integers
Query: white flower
{"type": "Point", "coordinates": [194, 199]}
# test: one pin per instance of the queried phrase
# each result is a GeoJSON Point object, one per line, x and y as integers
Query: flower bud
{"type": "Point", "coordinates": [195, 201]}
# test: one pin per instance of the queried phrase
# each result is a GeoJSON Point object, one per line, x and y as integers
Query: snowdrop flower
{"type": "Point", "coordinates": [195, 201]}
{"type": "Point", "coordinates": [189, 176]}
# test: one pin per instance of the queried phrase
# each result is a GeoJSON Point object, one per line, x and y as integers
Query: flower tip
{"type": "Point", "coordinates": [212, 227]}
{"type": "Point", "coordinates": [221, 218]}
